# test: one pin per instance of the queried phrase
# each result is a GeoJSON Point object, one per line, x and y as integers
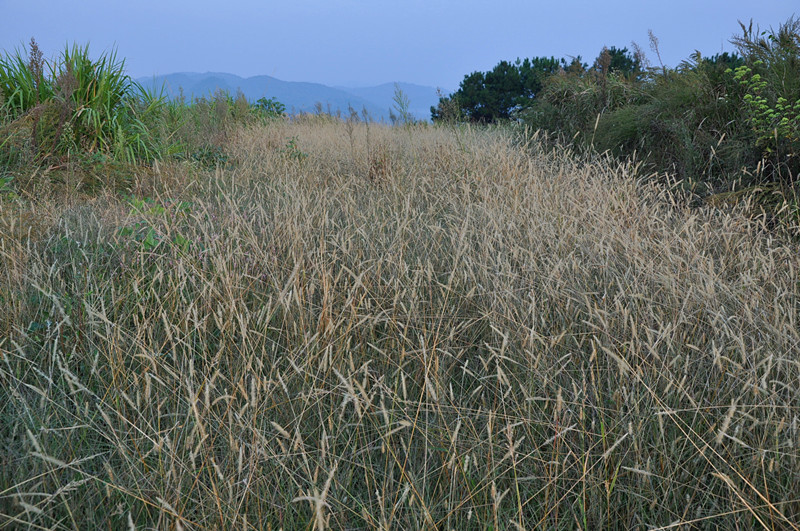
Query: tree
{"type": "Point", "coordinates": [624, 62]}
{"type": "Point", "coordinates": [501, 92]}
{"type": "Point", "coordinates": [618, 61]}
{"type": "Point", "coordinates": [447, 110]}
{"type": "Point", "coordinates": [534, 71]}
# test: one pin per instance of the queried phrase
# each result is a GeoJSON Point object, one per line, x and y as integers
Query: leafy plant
{"type": "Point", "coordinates": [146, 206]}
{"type": "Point", "coordinates": [772, 123]}
{"type": "Point", "coordinates": [210, 156]}
{"type": "Point", "coordinates": [79, 103]}
{"type": "Point", "coordinates": [144, 232]}
{"type": "Point", "coordinates": [22, 80]}
{"type": "Point", "coordinates": [270, 107]}
{"type": "Point", "coordinates": [293, 152]}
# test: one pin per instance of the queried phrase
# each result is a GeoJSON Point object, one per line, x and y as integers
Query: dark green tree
{"type": "Point", "coordinates": [619, 61]}
{"type": "Point", "coordinates": [497, 94]}
{"type": "Point", "coordinates": [533, 72]}
{"type": "Point", "coordinates": [624, 62]}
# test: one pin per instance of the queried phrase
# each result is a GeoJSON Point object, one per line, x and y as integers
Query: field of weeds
{"type": "Point", "coordinates": [352, 326]}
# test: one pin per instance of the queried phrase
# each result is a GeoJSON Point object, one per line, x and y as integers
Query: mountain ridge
{"type": "Point", "coordinates": [298, 96]}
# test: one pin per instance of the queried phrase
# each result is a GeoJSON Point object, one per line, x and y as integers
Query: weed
{"type": "Point", "coordinates": [293, 152]}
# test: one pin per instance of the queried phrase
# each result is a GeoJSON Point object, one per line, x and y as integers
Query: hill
{"type": "Point", "coordinates": [298, 96]}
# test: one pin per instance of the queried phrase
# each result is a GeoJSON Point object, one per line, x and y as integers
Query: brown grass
{"type": "Point", "coordinates": [406, 328]}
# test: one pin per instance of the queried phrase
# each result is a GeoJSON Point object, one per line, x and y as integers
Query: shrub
{"type": "Point", "coordinates": [717, 123]}
{"type": "Point", "coordinates": [77, 102]}
{"type": "Point", "coordinates": [771, 78]}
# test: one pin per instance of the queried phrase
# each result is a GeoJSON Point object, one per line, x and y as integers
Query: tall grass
{"type": "Point", "coordinates": [450, 329]}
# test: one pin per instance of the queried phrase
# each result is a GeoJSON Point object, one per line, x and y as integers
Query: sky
{"type": "Point", "coordinates": [369, 42]}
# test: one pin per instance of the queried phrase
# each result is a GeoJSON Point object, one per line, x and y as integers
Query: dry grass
{"type": "Point", "coordinates": [399, 329]}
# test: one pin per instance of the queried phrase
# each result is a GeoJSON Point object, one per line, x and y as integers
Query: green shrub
{"type": "Point", "coordinates": [716, 123]}
{"type": "Point", "coordinates": [201, 128]}
{"type": "Point", "coordinates": [771, 81]}
{"type": "Point", "coordinates": [74, 104]}
{"type": "Point", "coordinates": [686, 124]}
{"type": "Point", "coordinates": [774, 123]}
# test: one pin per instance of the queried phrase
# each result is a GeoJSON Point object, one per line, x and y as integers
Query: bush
{"type": "Point", "coordinates": [78, 103]}
{"type": "Point", "coordinates": [717, 123]}
{"type": "Point", "coordinates": [771, 79]}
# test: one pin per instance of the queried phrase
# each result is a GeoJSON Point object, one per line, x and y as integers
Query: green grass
{"type": "Point", "coordinates": [421, 327]}
{"type": "Point", "coordinates": [78, 103]}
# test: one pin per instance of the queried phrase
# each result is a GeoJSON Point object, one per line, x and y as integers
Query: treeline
{"type": "Point", "coordinates": [720, 123]}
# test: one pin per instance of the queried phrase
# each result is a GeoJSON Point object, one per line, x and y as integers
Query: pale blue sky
{"type": "Point", "coordinates": [359, 42]}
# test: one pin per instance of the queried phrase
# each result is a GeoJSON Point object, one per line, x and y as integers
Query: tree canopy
{"type": "Point", "coordinates": [496, 94]}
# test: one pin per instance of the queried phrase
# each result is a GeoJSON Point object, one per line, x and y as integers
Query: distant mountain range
{"type": "Point", "coordinates": [299, 96]}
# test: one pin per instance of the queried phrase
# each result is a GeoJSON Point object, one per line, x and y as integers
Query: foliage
{"type": "Point", "coordinates": [772, 123]}
{"type": "Point", "coordinates": [570, 103]}
{"type": "Point", "coordinates": [81, 116]}
{"type": "Point", "coordinates": [511, 89]}
{"type": "Point", "coordinates": [78, 103]}
{"type": "Point", "coordinates": [446, 110]}
{"type": "Point", "coordinates": [270, 107]}
{"type": "Point", "coordinates": [201, 128]}
{"type": "Point", "coordinates": [717, 123]}
{"type": "Point", "coordinates": [496, 95]}
{"type": "Point", "coordinates": [146, 234]}
{"type": "Point", "coordinates": [293, 152]}
{"type": "Point", "coordinates": [621, 61]}
{"type": "Point", "coordinates": [772, 92]}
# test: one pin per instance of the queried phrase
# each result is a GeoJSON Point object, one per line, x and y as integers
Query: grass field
{"type": "Point", "coordinates": [352, 326]}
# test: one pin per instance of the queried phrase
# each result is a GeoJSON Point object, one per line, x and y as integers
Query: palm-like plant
{"type": "Point", "coordinates": [22, 82]}
{"type": "Point", "coordinates": [94, 101]}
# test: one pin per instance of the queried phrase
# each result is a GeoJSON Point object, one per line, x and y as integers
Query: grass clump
{"type": "Point", "coordinates": [76, 102]}
{"type": "Point", "coordinates": [488, 334]}
{"type": "Point", "coordinates": [722, 123]}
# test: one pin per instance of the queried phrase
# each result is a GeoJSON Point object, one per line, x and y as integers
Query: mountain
{"type": "Point", "coordinates": [298, 96]}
